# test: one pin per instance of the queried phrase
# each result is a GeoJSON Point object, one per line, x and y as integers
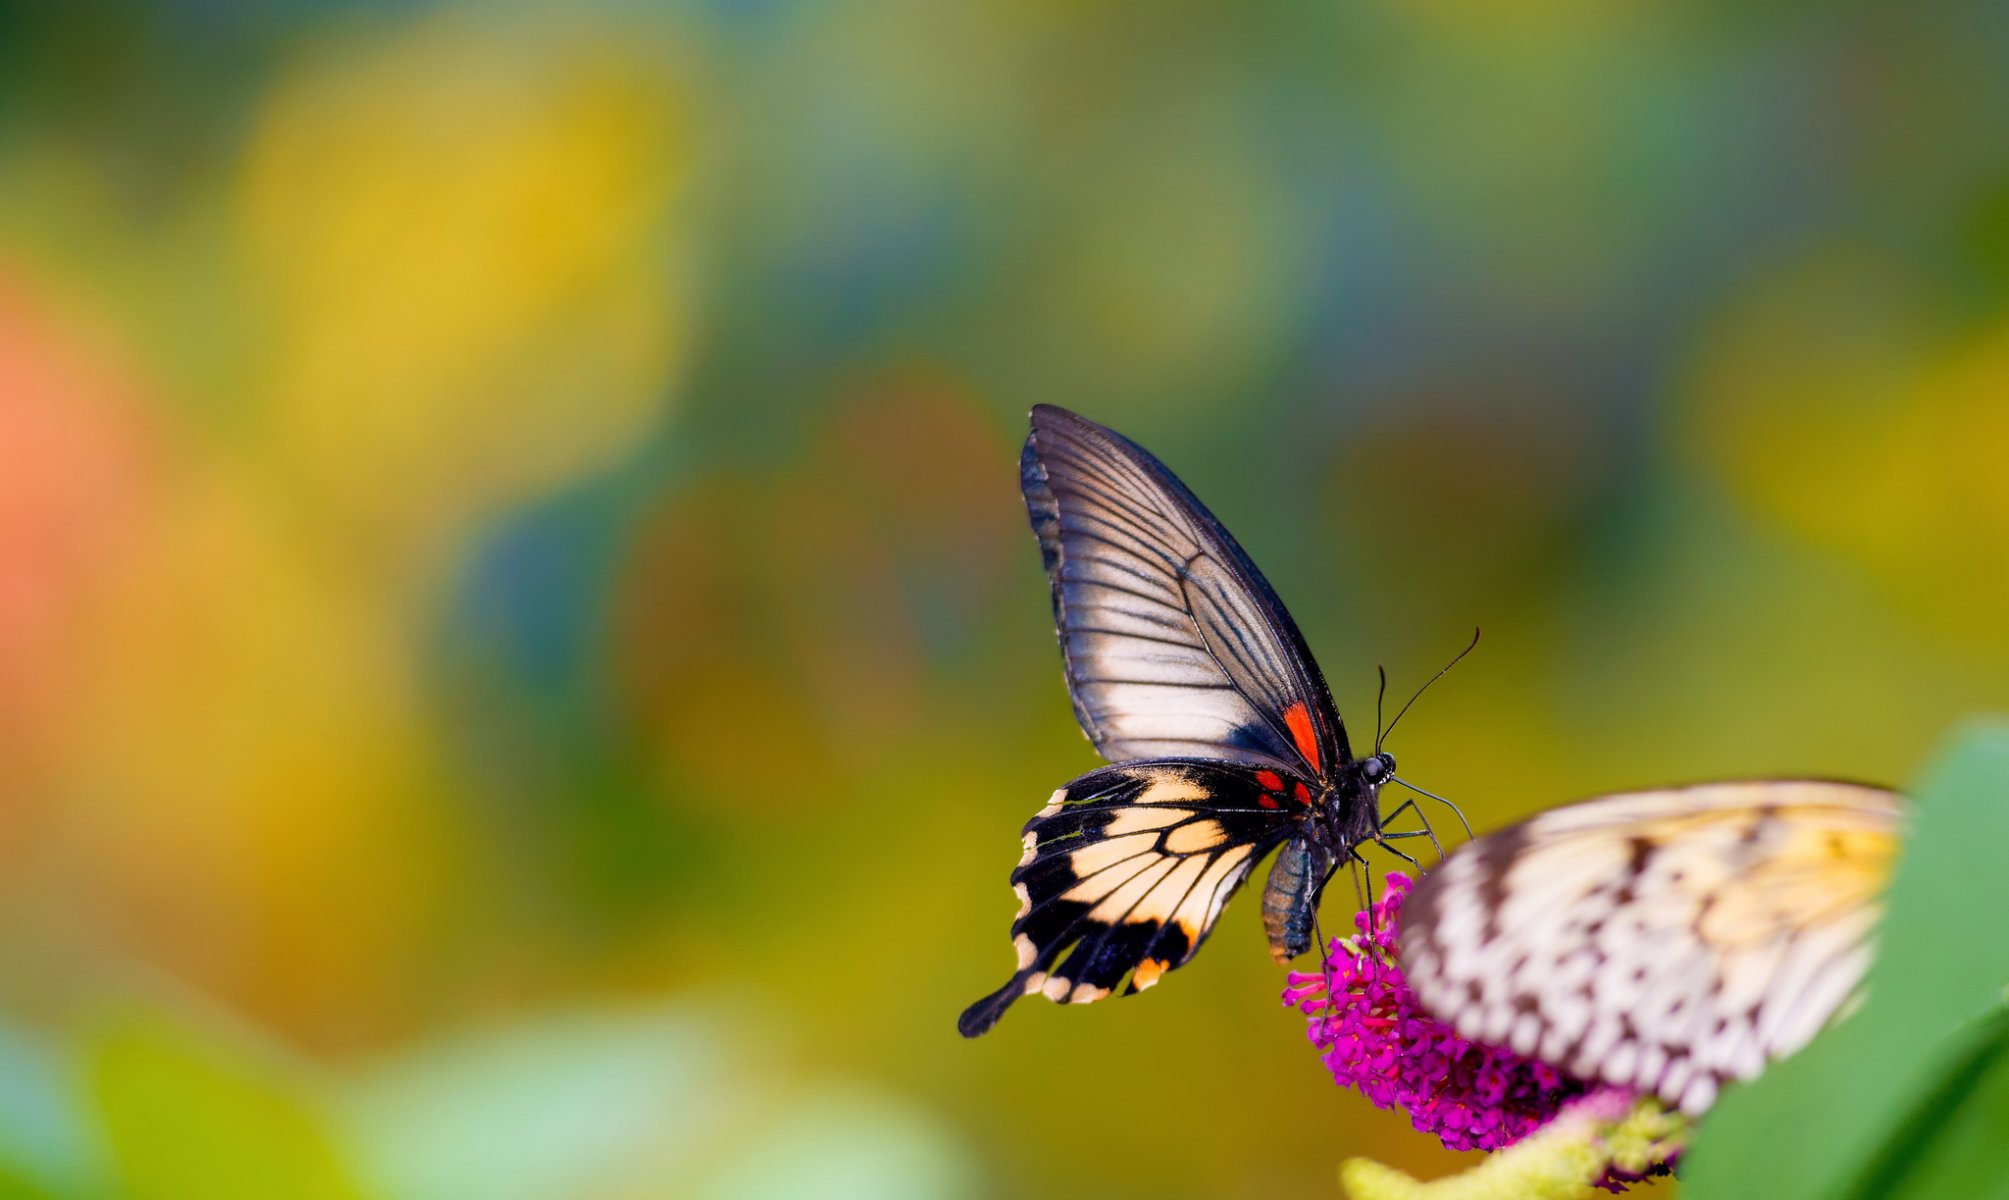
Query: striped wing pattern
{"type": "Point", "coordinates": [1668, 941]}
{"type": "Point", "coordinates": [1174, 643]}
{"type": "Point", "coordinates": [1125, 872]}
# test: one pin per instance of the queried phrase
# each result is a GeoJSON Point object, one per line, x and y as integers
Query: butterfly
{"type": "Point", "coordinates": [1668, 941]}
{"type": "Point", "coordinates": [1188, 675]}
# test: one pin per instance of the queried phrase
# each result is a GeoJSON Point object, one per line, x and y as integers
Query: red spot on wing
{"type": "Point", "coordinates": [1271, 781]}
{"type": "Point", "coordinates": [1303, 796]}
{"type": "Point", "coordinates": [1298, 717]}
{"type": "Point", "coordinates": [1267, 801]}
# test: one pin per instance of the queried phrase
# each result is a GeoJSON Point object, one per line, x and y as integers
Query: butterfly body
{"type": "Point", "coordinates": [1291, 898]}
{"type": "Point", "coordinates": [1346, 816]}
{"type": "Point", "coordinates": [1188, 675]}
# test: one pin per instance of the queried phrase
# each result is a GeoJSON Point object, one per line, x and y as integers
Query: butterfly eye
{"type": "Point", "coordinates": [1384, 766]}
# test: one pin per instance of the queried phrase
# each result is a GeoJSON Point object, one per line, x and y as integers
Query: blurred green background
{"type": "Point", "coordinates": [521, 665]}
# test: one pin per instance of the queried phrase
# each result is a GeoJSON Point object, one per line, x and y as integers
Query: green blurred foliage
{"type": "Point", "coordinates": [1905, 1097]}
{"type": "Point", "coordinates": [183, 1117]}
{"type": "Point", "coordinates": [520, 1114]}
{"type": "Point", "coordinates": [509, 512]}
{"type": "Point", "coordinates": [49, 1144]}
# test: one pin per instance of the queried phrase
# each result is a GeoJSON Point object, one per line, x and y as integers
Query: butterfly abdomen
{"type": "Point", "coordinates": [1291, 898]}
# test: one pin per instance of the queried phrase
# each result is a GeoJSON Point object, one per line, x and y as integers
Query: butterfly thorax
{"type": "Point", "coordinates": [1345, 814]}
{"type": "Point", "coordinates": [1350, 812]}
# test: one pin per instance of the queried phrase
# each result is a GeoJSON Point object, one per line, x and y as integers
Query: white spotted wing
{"type": "Point", "coordinates": [1668, 941]}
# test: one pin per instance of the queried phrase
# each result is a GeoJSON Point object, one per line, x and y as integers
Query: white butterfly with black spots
{"type": "Point", "coordinates": [1668, 941]}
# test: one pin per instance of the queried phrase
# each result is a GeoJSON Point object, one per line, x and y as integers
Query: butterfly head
{"type": "Point", "coordinates": [1378, 769]}
{"type": "Point", "coordinates": [1350, 813]}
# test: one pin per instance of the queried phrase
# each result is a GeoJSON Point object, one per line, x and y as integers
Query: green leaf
{"type": "Point", "coordinates": [1953, 1145]}
{"type": "Point", "coordinates": [190, 1116]}
{"type": "Point", "coordinates": [1816, 1124]}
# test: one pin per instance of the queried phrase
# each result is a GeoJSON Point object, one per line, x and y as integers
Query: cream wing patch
{"type": "Point", "coordinates": [1126, 871]}
{"type": "Point", "coordinates": [1195, 836]}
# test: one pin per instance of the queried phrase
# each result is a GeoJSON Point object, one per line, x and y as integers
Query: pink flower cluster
{"type": "Point", "coordinates": [1378, 1041]}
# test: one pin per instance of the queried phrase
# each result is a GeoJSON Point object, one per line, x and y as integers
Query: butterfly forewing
{"type": "Point", "coordinates": [1175, 645]}
{"type": "Point", "coordinates": [1125, 872]}
{"type": "Point", "coordinates": [1668, 941]}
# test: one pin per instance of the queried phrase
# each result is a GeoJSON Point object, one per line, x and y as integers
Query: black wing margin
{"type": "Point", "coordinates": [1175, 644]}
{"type": "Point", "coordinates": [1130, 867]}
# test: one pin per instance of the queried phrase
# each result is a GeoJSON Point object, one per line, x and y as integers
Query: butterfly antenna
{"type": "Point", "coordinates": [1378, 696]}
{"type": "Point", "coordinates": [1455, 810]}
{"type": "Point", "coordinates": [1426, 687]}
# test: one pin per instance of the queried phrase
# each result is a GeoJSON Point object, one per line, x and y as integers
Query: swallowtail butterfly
{"type": "Point", "coordinates": [1189, 676]}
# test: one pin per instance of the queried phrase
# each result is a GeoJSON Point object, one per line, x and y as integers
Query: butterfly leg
{"type": "Point", "coordinates": [1362, 869]}
{"type": "Point", "coordinates": [1383, 843]}
{"type": "Point", "coordinates": [1317, 928]}
{"type": "Point", "coordinates": [1427, 829]}
{"type": "Point", "coordinates": [1455, 810]}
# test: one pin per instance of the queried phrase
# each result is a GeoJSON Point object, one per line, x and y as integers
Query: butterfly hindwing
{"type": "Point", "coordinates": [1175, 645]}
{"type": "Point", "coordinates": [1125, 872]}
{"type": "Point", "coordinates": [1668, 941]}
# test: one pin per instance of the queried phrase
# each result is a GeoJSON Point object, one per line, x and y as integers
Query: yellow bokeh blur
{"type": "Point", "coordinates": [462, 266]}
{"type": "Point", "coordinates": [521, 663]}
